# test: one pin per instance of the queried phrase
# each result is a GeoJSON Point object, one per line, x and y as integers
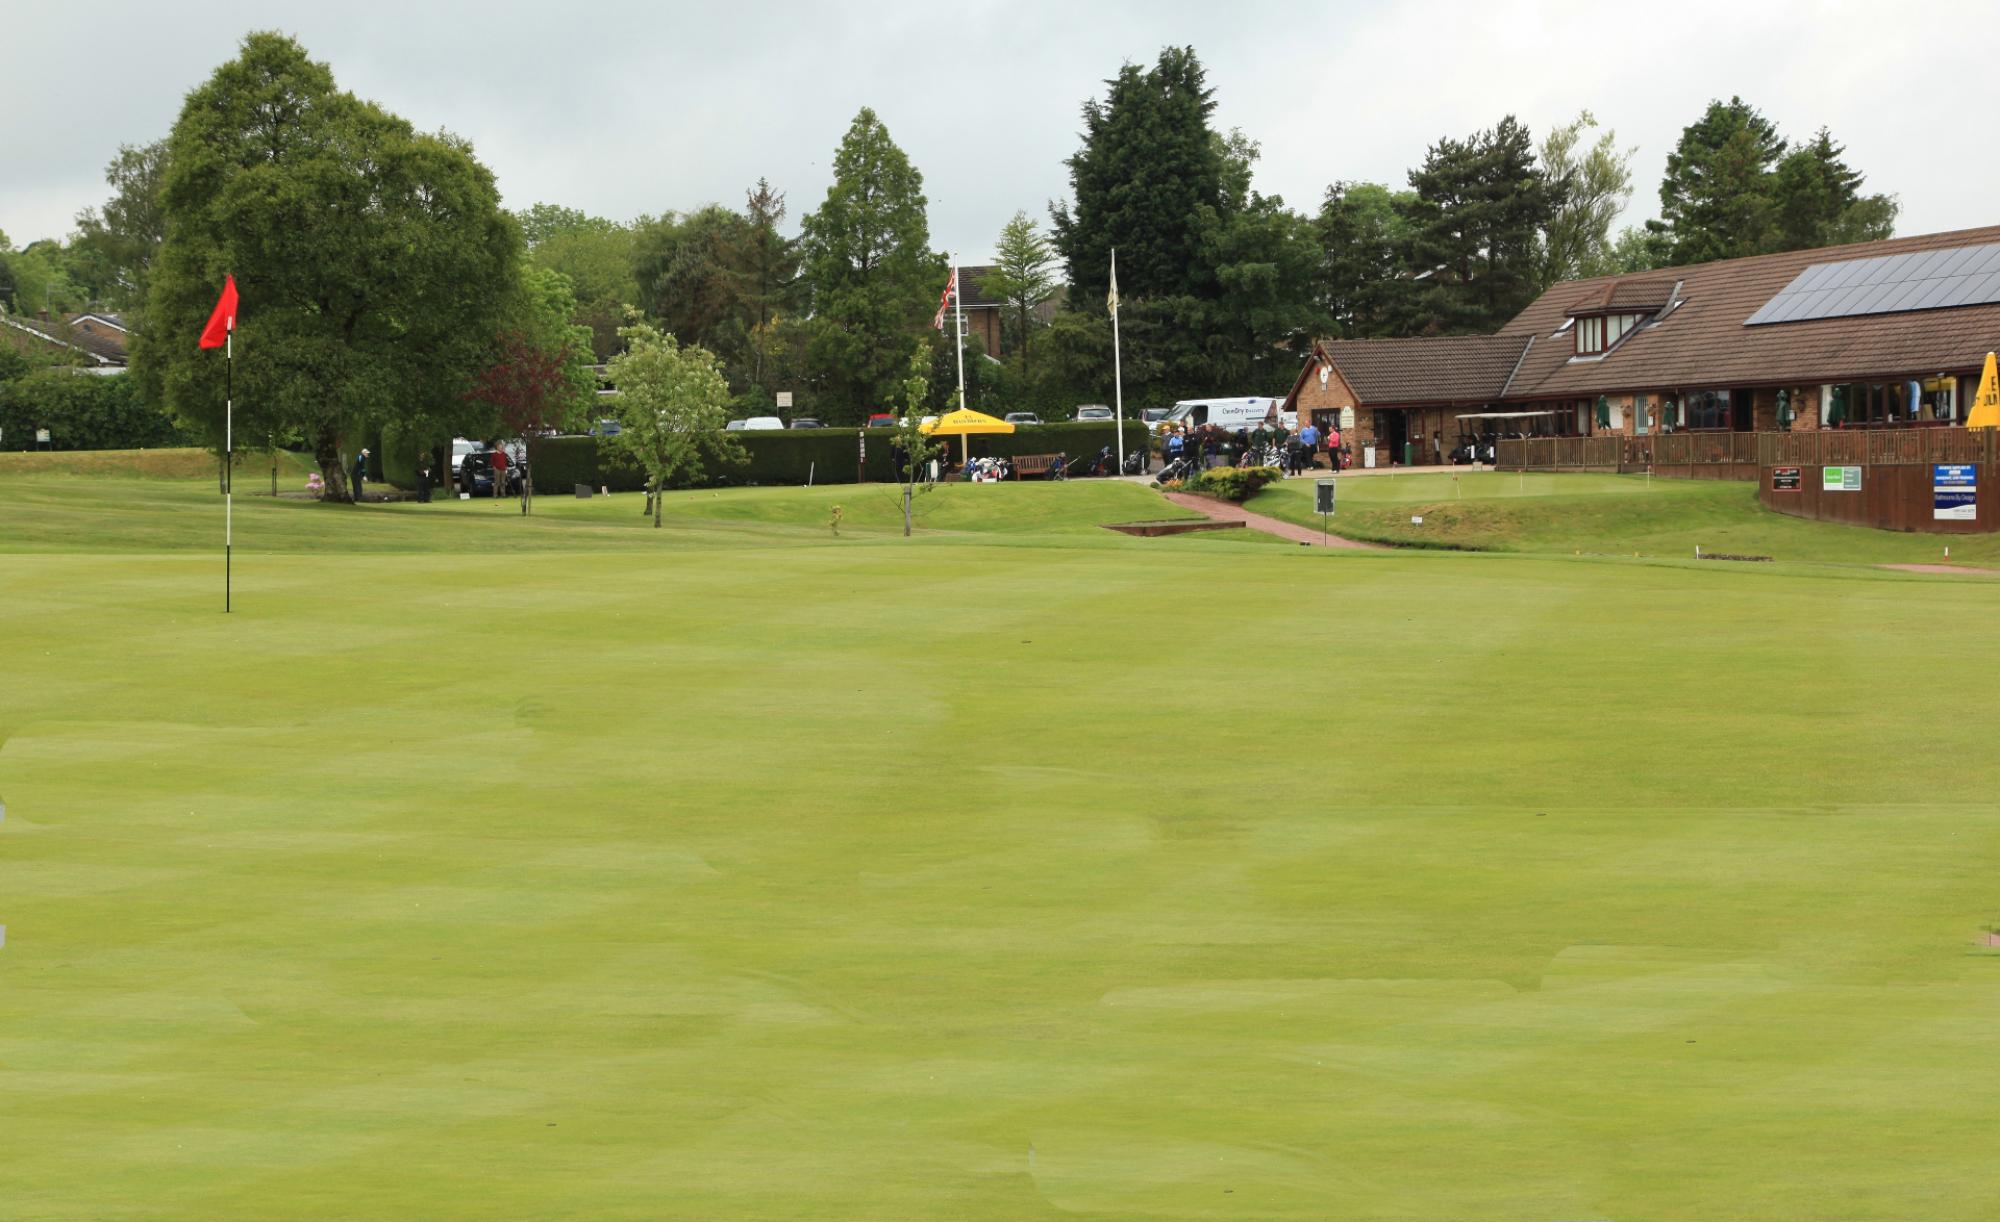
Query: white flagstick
{"type": "Point", "coordinates": [958, 310]}
{"type": "Point", "coordinates": [1117, 365]}
{"type": "Point", "coordinates": [228, 460]}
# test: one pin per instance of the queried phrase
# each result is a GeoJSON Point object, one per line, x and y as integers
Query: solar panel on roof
{"type": "Point", "coordinates": [1888, 284]}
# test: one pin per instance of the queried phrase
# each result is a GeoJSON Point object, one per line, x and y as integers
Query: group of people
{"type": "Point", "coordinates": [1293, 450]}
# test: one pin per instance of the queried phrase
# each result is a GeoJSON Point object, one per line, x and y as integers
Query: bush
{"type": "Point", "coordinates": [790, 457]}
{"type": "Point", "coordinates": [83, 411]}
{"type": "Point", "coordinates": [559, 464]}
{"type": "Point", "coordinates": [1237, 484]}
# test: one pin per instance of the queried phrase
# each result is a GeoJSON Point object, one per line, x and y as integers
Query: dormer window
{"type": "Point", "coordinates": [1598, 332]}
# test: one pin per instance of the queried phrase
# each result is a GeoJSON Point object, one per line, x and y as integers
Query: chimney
{"type": "Point", "coordinates": [42, 314]}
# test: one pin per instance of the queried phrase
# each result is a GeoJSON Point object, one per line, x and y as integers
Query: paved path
{"type": "Point", "coordinates": [1223, 511]}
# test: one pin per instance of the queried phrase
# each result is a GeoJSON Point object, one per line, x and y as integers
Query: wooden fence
{"type": "Point", "coordinates": [1741, 455]}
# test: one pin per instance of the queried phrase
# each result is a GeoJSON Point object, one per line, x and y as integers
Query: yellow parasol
{"type": "Point", "coordinates": [964, 423]}
{"type": "Point", "coordinates": [1986, 404]}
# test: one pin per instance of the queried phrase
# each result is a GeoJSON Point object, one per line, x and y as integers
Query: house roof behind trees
{"type": "Point", "coordinates": [86, 334]}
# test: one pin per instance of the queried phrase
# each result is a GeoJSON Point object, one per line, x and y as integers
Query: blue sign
{"type": "Point", "coordinates": [1954, 492]}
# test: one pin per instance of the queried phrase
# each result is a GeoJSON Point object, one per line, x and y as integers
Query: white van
{"type": "Point", "coordinates": [1231, 414]}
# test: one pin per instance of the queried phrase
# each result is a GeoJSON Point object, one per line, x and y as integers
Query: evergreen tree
{"type": "Point", "coordinates": [1715, 200]}
{"type": "Point", "coordinates": [1362, 235]}
{"type": "Point", "coordinates": [1817, 200]}
{"type": "Point", "coordinates": [1148, 164]}
{"type": "Point", "coordinates": [1023, 278]}
{"type": "Point", "coordinates": [768, 267]}
{"type": "Point", "coordinates": [1475, 225]}
{"type": "Point", "coordinates": [869, 271]}
{"type": "Point", "coordinates": [375, 263]}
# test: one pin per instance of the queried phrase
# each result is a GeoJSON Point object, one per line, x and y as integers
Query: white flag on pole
{"type": "Point", "coordinates": [1111, 298]}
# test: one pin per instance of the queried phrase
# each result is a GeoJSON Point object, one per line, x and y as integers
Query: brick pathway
{"type": "Point", "coordinates": [1223, 511]}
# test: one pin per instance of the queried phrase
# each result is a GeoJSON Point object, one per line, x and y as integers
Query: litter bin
{"type": "Point", "coordinates": [1409, 453]}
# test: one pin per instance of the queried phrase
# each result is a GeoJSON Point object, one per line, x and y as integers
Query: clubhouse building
{"type": "Point", "coordinates": [1888, 334]}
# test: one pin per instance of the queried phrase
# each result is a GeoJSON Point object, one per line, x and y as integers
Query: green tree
{"type": "Point", "coordinates": [1640, 248]}
{"type": "Point", "coordinates": [768, 274]}
{"type": "Point", "coordinates": [914, 447]}
{"type": "Point", "coordinates": [1715, 201]}
{"type": "Point", "coordinates": [1817, 201]}
{"type": "Point", "coordinates": [37, 278]}
{"type": "Point", "coordinates": [1362, 234]}
{"type": "Point", "coordinates": [1475, 231]}
{"type": "Point", "coordinates": [869, 270]}
{"type": "Point", "coordinates": [1023, 278]}
{"type": "Point", "coordinates": [596, 256]}
{"type": "Point", "coordinates": [539, 375]}
{"type": "Point", "coordinates": [672, 403]}
{"type": "Point", "coordinates": [1589, 184]}
{"type": "Point", "coordinates": [1149, 162]}
{"type": "Point", "coordinates": [118, 242]}
{"type": "Point", "coordinates": [690, 281]}
{"type": "Point", "coordinates": [374, 262]}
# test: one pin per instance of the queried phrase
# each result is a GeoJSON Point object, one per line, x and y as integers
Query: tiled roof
{"type": "Point", "coordinates": [1702, 342]}
{"type": "Point", "coordinates": [972, 287]}
{"type": "Point", "coordinates": [102, 344]}
{"type": "Point", "coordinates": [1428, 369]}
{"type": "Point", "coordinates": [1636, 294]}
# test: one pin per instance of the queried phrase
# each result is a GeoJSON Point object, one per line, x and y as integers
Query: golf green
{"type": "Point", "coordinates": [488, 867]}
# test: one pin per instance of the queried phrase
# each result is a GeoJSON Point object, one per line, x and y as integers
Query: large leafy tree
{"type": "Point", "coordinates": [595, 255]}
{"type": "Point", "coordinates": [1023, 278]}
{"type": "Point", "coordinates": [870, 271]}
{"type": "Point", "coordinates": [690, 281]}
{"type": "Point", "coordinates": [375, 263]}
{"type": "Point", "coordinates": [672, 403]}
{"type": "Point", "coordinates": [1475, 231]}
{"type": "Point", "coordinates": [539, 376]}
{"type": "Point", "coordinates": [117, 243]}
{"type": "Point", "coordinates": [1590, 182]}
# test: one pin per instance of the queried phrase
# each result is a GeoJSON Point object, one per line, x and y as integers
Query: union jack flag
{"type": "Point", "coordinates": [944, 300]}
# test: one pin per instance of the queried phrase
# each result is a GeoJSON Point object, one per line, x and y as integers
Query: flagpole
{"type": "Point", "coordinates": [1117, 365]}
{"type": "Point", "coordinates": [958, 310]}
{"type": "Point", "coordinates": [228, 463]}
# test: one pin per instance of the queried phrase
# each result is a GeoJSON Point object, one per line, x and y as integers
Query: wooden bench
{"type": "Point", "coordinates": [1032, 464]}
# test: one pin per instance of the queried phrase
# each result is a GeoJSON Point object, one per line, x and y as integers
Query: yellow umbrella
{"type": "Point", "coordinates": [1986, 404]}
{"type": "Point", "coordinates": [964, 423]}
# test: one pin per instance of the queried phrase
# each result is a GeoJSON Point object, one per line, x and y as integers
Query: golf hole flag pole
{"type": "Point", "coordinates": [1117, 363]}
{"type": "Point", "coordinates": [221, 333]}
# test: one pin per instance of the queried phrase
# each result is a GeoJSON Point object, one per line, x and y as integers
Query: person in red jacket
{"type": "Point", "coordinates": [499, 473]}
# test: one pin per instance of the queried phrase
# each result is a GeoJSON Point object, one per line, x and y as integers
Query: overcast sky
{"type": "Point", "coordinates": [622, 108]}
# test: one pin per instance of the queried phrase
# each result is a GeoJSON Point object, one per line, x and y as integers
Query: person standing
{"type": "Point", "coordinates": [1333, 448]}
{"type": "Point", "coordinates": [360, 471]}
{"type": "Point", "coordinates": [1308, 445]}
{"type": "Point", "coordinates": [499, 472]}
{"type": "Point", "coordinates": [424, 481]}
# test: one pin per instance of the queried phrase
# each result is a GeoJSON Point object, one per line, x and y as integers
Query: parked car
{"type": "Point", "coordinates": [807, 422]}
{"type": "Point", "coordinates": [881, 420]}
{"type": "Point", "coordinates": [460, 447]}
{"type": "Point", "coordinates": [735, 426]}
{"type": "Point", "coordinates": [1023, 418]}
{"type": "Point", "coordinates": [1153, 416]}
{"type": "Point", "coordinates": [763, 422]}
{"type": "Point", "coordinates": [1093, 411]}
{"type": "Point", "coordinates": [606, 428]}
{"type": "Point", "coordinates": [475, 475]}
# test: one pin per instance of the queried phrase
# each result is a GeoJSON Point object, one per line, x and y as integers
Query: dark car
{"type": "Point", "coordinates": [475, 475]}
{"type": "Point", "coordinates": [807, 422]}
{"type": "Point", "coordinates": [1023, 418]}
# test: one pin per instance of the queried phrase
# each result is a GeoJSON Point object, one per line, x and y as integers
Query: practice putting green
{"type": "Point", "coordinates": [481, 867]}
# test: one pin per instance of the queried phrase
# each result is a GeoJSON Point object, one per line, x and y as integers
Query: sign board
{"type": "Point", "coordinates": [1955, 492]}
{"type": "Point", "coordinates": [1785, 479]}
{"type": "Point", "coordinates": [1367, 456]}
{"type": "Point", "coordinates": [1840, 479]}
{"type": "Point", "coordinates": [41, 437]}
{"type": "Point", "coordinates": [1323, 496]}
{"type": "Point", "coordinates": [784, 398]}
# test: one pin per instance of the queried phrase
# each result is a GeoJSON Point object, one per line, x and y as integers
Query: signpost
{"type": "Point", "coordinates": [1840, 479]}
{"type": "Point", "coordinates": [1323, 502]}
{"type": "Point", "coordinates": [1785, 479]}
{"type": "Point", "coordinates": [1954, 492]}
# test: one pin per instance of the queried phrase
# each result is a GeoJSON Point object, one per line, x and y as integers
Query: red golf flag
{"type": "Point", "coordinates": [223, 320]}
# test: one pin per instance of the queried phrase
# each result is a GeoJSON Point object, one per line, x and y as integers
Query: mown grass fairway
{"type": "Point", "coordinates": [488, 868]}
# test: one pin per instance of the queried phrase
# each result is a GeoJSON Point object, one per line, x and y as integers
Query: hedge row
{"type": "Point", "coordinates": [83, 411]}
{"type": "Point", "coordinates": [826, 456]}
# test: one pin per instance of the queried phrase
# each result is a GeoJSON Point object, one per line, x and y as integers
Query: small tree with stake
{"type": "Point", "coordinates": [912, 442]}
{"type": "Point", "coordinates": [672, 404]}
